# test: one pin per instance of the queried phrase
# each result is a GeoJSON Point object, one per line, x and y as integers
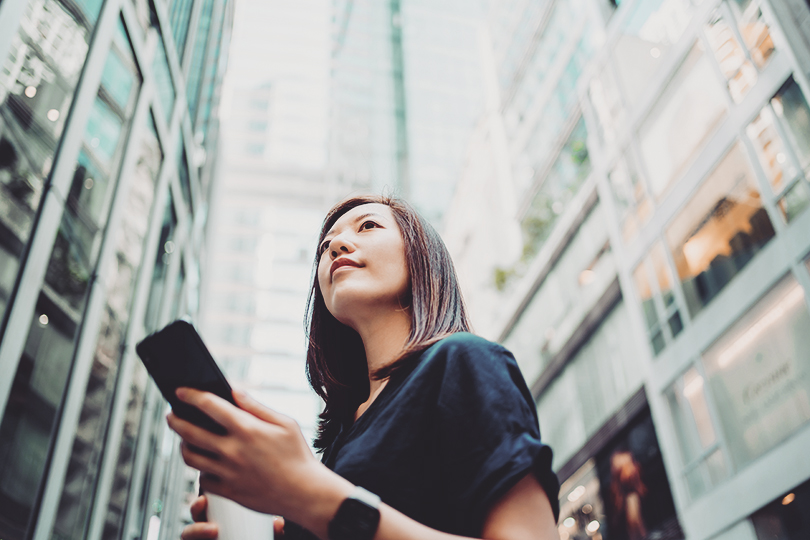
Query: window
{"type": "Point", "coordinates": [648, 32]}
{"type": "Point", "coordinates": [755, 31]}
{"type": "Point", "coordinates": [704, 463]}
{"type": "Point", "coordinates": [740, 74]}
{"type": "Point", "coordinates": [630, 194]}
{"type": "Point", "coordinates": [653, 280]}
{"type": "Point", "coordinates": [164, 87]}
{"type": "Point", "coordinates": [719, 230]}
{"type": "Point", "coordinates": [758, 373]}
{"type": "Point", "coordinates": [686, 115]}
{"type": "Point", "coordinates": [566, 176]}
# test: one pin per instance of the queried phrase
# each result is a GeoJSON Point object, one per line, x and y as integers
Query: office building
{"type": "Point", "coordinates": [405, 93]}
{"type": "Point", "coordinates": [270, 198]}
{"type": "Point", "coordinates": [633, 224]}
{"type": "Point", "coordinates": [108, 110]}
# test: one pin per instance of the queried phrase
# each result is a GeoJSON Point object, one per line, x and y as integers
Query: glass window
{"type": "Point", "coordinates": [755, 31]}
{"type": "Point", "coordinates": [704, 464]}
{"type": "Point", "coordinates": [182, 174]}
{"type": "Point", "coordinates": [758, 373]}
{"type": "Point", "coordinates": [738, 71]}
{"type": "Point", "coordinates": [165, 248]}
{"type": "Point", "coordinates": [790, 106]}
{"type": "Point", "coordinates": [88, 446]}
{"type": "Point", "coordinates": [786, 516]}
{"type": "Point", "coordinates": [648, 32]}
{"type": "Point", "coordinates": [630, 194]}
{"type": "Point", "coordinates": [774, 157]}
{"type": "Point", "coordinates": [163, 81]}
{"type": "Point", "coordinates": [653, 281]}
{"type": "Point", "coordinates": [25, 432]}
{"type": "Point", "coordinates": [179, 14]}
{"type": "Point", "coordinates": [37, 82]}
{"type": "Point", "coordinates": [593, 385]}
{"type": "Point", "coordinates": [198, 57]}
{"type": "Point", "coordinates": [607, 102]}
{"type": "Point", "coordinates": [567, 174]}
{"type": "Point", "coordinates": [578, 279]}
{"type": "Point", "coordinates": [686, 115]}
{"type": "Point", "coordinates": [719, 230]}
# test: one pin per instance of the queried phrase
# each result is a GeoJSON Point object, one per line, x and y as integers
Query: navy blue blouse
{"type": "Point", "coordinates": [445, 440]}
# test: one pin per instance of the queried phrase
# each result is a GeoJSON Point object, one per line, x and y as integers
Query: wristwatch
{"type": "Point", "coordinates": [357, 517]}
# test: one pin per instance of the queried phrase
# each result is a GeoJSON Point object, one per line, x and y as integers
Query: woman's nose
{"type": "Point", "coordinates": [337, 247]}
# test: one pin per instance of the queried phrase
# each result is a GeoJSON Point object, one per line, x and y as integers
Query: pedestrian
{"type": "Point", "coordinates": [428, 431]}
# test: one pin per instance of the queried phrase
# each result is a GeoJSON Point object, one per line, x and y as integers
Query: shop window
{"type": "Point", "coordinates": [739, 72]}
{"type": "Point", "coordinates": [563, 181]}
{"type": "Point", "coordinates": [649, 31]}
{"type": "Point", "coordinates": [622, 491]}
{"type": "Point", "coordinates": [684, 118]}
{"type": "Point", "coordinates": [653, 280]}
{"type": "Point", "coordinates": [787, 516]}
{"type": "Point", "coordinates": [719, 230]}
{"type": "Point", "coordinates": [759, 373]}
{"type": "Point", "coordinates": [630, 193]}
{"type": "Point", "coordinates": [704, 463]}
{"type": "Point", "coordinates": [790, 106]}
{"type": "Point", "coordinates": [756, 33]}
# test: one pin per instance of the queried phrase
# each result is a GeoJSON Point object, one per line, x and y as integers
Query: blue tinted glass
{"type": "Point", "coordinates": [117, 79]}
{"type": "Point", "coordinates": [103, 131]}
{"type": "Point", "coordinates": [90, 8]}
{"type": "Point", "coordinates": [163, 81]}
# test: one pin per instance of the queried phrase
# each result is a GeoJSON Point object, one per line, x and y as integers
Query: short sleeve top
{"type": "Point", "coordinates": [447, 438]}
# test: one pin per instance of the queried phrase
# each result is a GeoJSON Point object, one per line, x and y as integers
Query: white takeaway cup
{"type": "Point", "coordinates": [236, 522]}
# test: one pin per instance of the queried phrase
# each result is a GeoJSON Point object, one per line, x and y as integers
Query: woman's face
{"type": "Point", "coordinates": [362, 264]}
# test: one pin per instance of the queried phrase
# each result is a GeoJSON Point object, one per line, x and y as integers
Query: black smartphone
{"type": "Point", "coordinates": [176, 356]}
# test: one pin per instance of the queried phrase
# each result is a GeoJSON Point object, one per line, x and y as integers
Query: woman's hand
{"type": "Point", "coordinates": [262, 463]}
{"type": "Point", "coordinates": [200, 529]}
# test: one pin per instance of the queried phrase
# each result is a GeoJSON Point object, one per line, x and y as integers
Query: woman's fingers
{"type": "Point", "coordinates": [278, 526]}
{"type": "Point", "coordinates": [198, 509]}
{"type": "Point", "coordinates": [214, 406]}
{"type": "Point", "coordinates": [195, 435]}
{"type": "Point", "coordinates": [201, 462]}
{"type": "Point", "coordinates": [202, 531]}
{"type": "Point", "coordinates": [258, 410]}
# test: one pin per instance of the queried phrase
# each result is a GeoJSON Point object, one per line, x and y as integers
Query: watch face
{"type": "Point", "coordinates": [355, 520]}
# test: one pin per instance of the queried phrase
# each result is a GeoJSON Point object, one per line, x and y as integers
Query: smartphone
{"type": "Point", "coordinates": [176, 356]}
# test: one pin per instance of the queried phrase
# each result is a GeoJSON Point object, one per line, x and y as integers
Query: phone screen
{"type": "Point", "coordinates": [175, 357]}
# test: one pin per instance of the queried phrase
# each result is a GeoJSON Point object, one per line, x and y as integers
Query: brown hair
{"type": "Point", "coordinates": [336, 359]}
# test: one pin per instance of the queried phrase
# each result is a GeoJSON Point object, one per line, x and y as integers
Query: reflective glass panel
{"type": "Point", "coordinates": [776, 161]}
{"type": "Point", "coordinates": [794, 201]}
{"type": "Point", "coordinates": [759, 373]}
{"type": "Point", "coordinates": [647, 34]}
{"type": "Point", "coordinates": [792, 110]}
{"type": "Point", "coordinates": [163, 82]}
{"type": "Point", "coordinates": [567, 174]}
{"type": "Point", "coordinates": [630, 194]}
{"type": "Point", "coordinates": [179, 14]}
{"type": "Point", "coordinates": [88, 445]}
{"type": "Point", "coordinates": [165, 248]}
{"type": "Point", "coordinates": [37, 82]}
{"type": "Point", "coordinates": [754, 30]}
{"type": "Point", "coordinates": [681, 122]}
{"type": "Point", "coordinates": [719, 230]}
{"type": "Point", "coordinates": [738, 71]}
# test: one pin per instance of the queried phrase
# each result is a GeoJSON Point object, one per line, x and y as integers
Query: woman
{"type": "Point", "coordinates": [435, 421]}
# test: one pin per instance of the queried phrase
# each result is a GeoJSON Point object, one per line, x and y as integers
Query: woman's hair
{"type": "Point", "coordinates": [336, 359]}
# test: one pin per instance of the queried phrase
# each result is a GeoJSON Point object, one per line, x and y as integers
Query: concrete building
{"type": "Point", "coordinates": [107, 112]}
{"type": "Point", "coordinates": [632, 223]}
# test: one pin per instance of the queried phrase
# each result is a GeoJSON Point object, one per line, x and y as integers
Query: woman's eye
{"type": "Point", "coordinates": [324, 247]}
{"type": "Point", "coordinates": [368, 225]}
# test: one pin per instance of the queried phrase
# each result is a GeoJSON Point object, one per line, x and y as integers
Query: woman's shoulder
{"type": "Point", "coordinates": [463, 350]}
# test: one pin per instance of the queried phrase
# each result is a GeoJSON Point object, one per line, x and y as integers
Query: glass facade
{"type": "Point", "coordinates": [683, 149]}
{"type": "Point", "coordinates": [81, 154]}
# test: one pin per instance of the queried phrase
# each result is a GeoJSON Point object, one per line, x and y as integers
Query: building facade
{"type": "Point", "coordinates": [632, 223]}
{"type": "Point", "coordinates": [108, 110]}
{"type": "Point", "coordinates": [406, 89]}
{"type": "Point", "coordinates": [271, 196]}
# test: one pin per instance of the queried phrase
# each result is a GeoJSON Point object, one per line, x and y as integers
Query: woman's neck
{"type": "Point", "coordinates": [384, 336]}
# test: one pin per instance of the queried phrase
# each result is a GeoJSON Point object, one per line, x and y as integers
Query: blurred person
{"type": "Point", "coordinates": [627, 491]}
{"type": "Point", "coordinates": [434, 421]}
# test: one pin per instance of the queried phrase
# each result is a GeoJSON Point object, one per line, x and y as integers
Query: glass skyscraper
{"type": "Point", "coordinates": [633, 224]}
{"type": "Point", "coordinates": [107, 116]}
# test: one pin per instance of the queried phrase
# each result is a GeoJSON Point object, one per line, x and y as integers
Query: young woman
{"type": "Point", "coordinates": [432, 420]}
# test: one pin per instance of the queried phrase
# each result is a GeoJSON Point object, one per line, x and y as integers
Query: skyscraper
{"type": "Point", "coordinates": [406, 91]}
{"type": "Point", "coordinates": [647, 167]}
{"type": "Point", "coordinates": [270, 198]}
{"type": "Point", "coordinates": [107, 110]}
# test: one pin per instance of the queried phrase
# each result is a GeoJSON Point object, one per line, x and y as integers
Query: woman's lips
{"type": "Point", "coordinates": [341, 262]}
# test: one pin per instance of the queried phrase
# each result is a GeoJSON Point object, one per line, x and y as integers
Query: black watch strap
{"type": "Point", "coordinates": [357, 517]}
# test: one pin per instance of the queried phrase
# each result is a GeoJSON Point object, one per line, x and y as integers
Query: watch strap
{"type": "Point", "coordinates": [357, 517]}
